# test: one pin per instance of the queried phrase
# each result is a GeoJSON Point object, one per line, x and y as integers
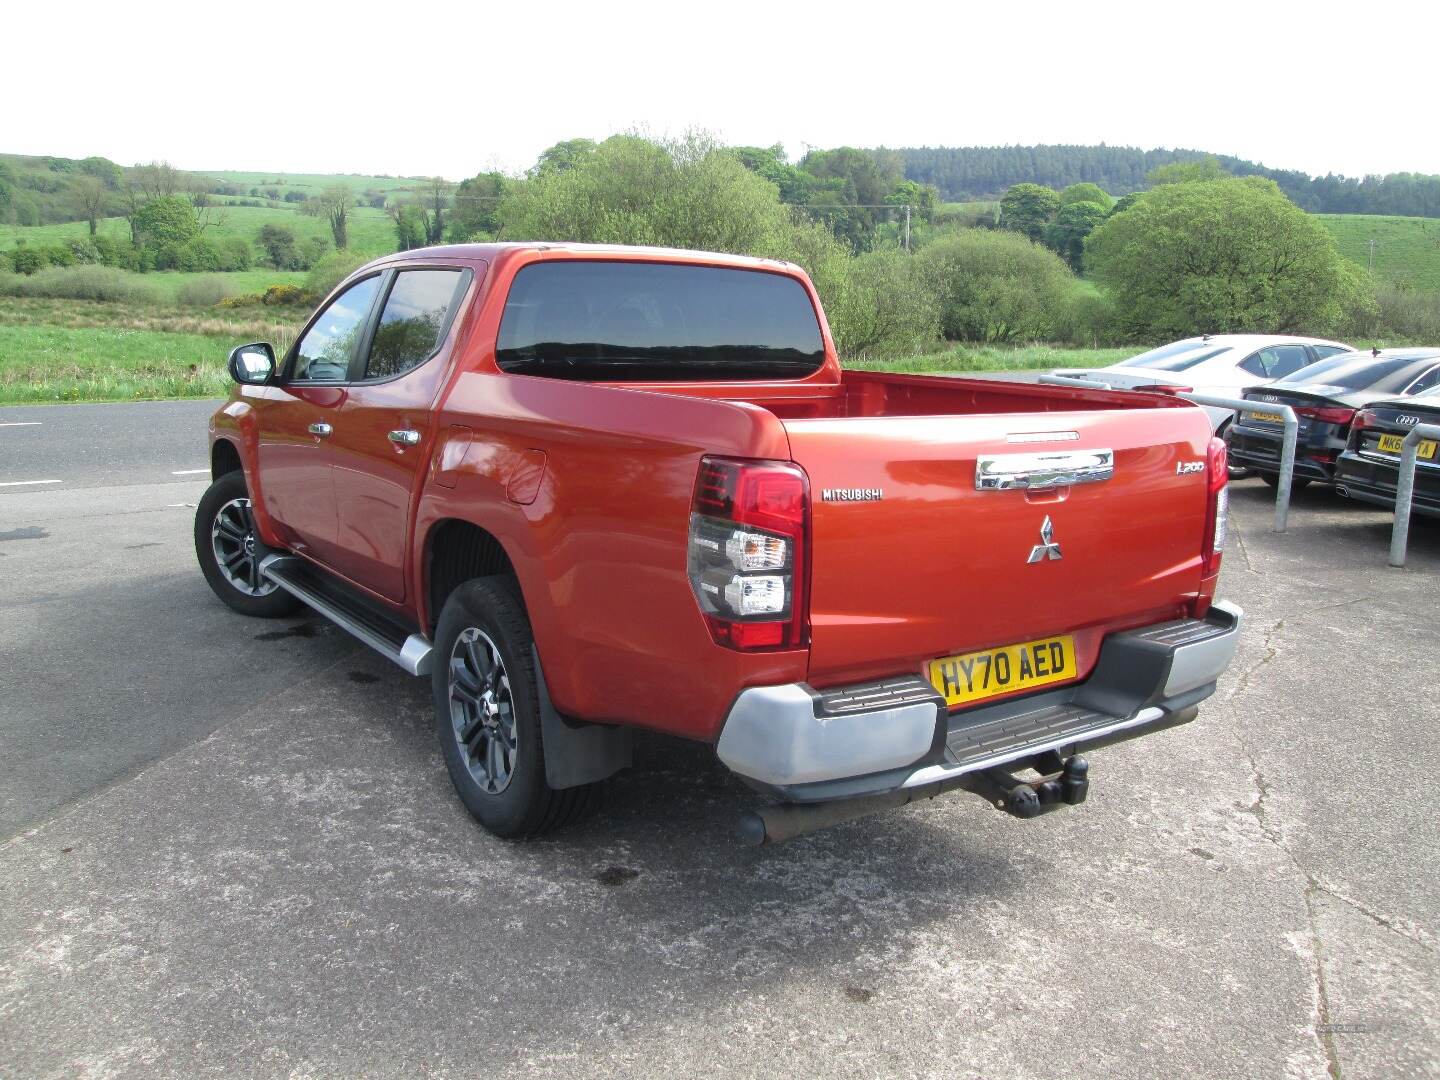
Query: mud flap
{"type": "Point", "coordinates": [577, 753]}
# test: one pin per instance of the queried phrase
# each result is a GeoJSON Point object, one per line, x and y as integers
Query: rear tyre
{"type": "Point", "coordinates": [487, 714]}
{"type": "Point", "coordinates": [229, 550]}
{"type": "Point", "coordinates": [1297, 483]}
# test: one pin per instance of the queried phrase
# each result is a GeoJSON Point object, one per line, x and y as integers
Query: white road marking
{"type": "Point", "coordinates": [27, 483]}
{"type": "Point", "coordinates": [21, 423]}
{"type": "Point", "coordinates": [188, 472]}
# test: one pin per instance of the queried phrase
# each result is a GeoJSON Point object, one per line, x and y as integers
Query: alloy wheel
{"type": "Point", "coordinates": [238, 550]}
{"type": "Point", "coordinates": [482, 710]}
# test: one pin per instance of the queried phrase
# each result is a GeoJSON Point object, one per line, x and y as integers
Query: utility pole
{"type": "Point", "coordinates": [907, 229]}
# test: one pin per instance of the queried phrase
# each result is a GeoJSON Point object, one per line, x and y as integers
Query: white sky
{"type": "Point", "coordinates": [454, 88]}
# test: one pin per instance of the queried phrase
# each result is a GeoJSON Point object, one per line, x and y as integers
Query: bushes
{"type": "Point", "coordinates": [28, 260]}
{"type": "Point", "coordinates": [204, 291]}
{"type": "Point", "coordinates": [998, 287]}
{"type": "Point", "coordinates": [82, 283]}
{"type": "Point", "coordinates": [1397, 316]}
{"type": "Point", "coordinates": [331, 270]}
{"type": "Point", "coordinates": [882, 307]}
{"type": "Point", "coordinates": [283, 295]}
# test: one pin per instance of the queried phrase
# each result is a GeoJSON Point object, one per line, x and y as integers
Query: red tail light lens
{"type": "Point", "coordinates": [1328, 414]}
{"type": "Point", "coordinates": [747, 558]}
{"type": "Point", "coordinates": [1165, 388]}
{"type": "Point", "coordinates": [1217, 514]}
{"type": "Point", "coordinates": [1363, 419]}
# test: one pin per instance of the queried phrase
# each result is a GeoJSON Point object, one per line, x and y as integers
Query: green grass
{"type": "Point", "coordinates": [998, 358]}
{"type": "Point", "coordinates": [310, 183]}
{"type": "Point", "coordinates": [371, 232]}
{"type": "Point", "coordinates": [1407, 249]}
{"type": "Point", "coordinates": [241, 281]}
{"type": "Point", "coordinates": [52, 363]}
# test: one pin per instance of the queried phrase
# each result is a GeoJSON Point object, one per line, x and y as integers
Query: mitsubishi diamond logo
{"type": "Point", "coordinates": [1047, 548]}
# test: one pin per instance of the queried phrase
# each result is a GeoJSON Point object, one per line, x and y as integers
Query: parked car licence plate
{"type": "Point", "coordinates": [1266, 417]}
{"type": "Point", "coordinates": [1390, 444]}
{"type": "Point", "coordinates": [975, 676]}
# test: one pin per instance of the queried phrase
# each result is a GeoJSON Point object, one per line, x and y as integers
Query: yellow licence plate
{"type": "Point", "coordinates": [1267, 417]}
{"type": "Point", "coordinates": [1390, 444]}
{"type": "Point", "coordinates": [978, 675]}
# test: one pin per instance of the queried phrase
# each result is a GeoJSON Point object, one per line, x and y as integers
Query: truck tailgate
{"type": "Point", "coordinates": [912, 562]}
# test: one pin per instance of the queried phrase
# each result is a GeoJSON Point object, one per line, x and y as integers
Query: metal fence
{"type": "Point", "coordinates": [1405, 488]}
{"type": "Point", "coordinates": [1405, 481]}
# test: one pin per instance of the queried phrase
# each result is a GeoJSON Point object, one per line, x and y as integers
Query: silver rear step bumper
{"type": "Point", "coordinates": [803, 746]}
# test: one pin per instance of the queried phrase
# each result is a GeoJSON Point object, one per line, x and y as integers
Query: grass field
{"type": "Point", "coordinates": [963, 358]}
{"type": "Point", "coordinates": [1407, 249]}
{"type": "Point", "coordinates": [310, 183]}
{"type": "Point", "coordinates": [371, 231]}
{"type": "Point", "coordinates": [69, 350]}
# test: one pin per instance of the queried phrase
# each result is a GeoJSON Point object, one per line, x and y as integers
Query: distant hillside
{"type": "Point", "coordinates": [975, 172]}
{"type": "Point", "coordinates": [1406, 250]}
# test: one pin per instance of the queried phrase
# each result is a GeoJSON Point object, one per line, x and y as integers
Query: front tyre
{"type": "Point", "coordinates": [229, 550]}
{"type": "Point", "coordinates": [487, 714]}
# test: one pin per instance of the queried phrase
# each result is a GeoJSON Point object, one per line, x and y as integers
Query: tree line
{"type": "Point", "coordinates": [974, 172]}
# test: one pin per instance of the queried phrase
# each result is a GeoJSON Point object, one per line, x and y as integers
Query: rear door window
{"type": "Point", "coordinates": [614, 321]}
{"type": "Point", "coordinates": [413, 321]}
{"type": "Point", "coordinates": [1425, 382]}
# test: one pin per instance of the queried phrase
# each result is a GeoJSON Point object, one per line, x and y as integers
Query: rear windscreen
{"type": "Point", "coordinates": [613, 321]}
{"type": "Point", "coordinates": [1353, 372]}
{"type": "Point", "coordinates": [1174, 361]}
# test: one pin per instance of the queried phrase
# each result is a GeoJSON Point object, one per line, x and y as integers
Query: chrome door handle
{"type": "Point", "coordinates": [404, 437]}
{"type": "Point", "coordinates": [1045, 469]}
{"type": "Point", "coordinates": [320, 429]}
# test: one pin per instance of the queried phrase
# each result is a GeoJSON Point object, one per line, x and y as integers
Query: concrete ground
{"type": "Point", "coordinates": [229, 847]}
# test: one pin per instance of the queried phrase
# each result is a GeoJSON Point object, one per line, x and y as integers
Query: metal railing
{"type": "Point", "coordinates": [1287, 444]}
{"type": "Point", "coordinates": [1070, 380]}
{"type": "Point", "coordinates": [1405, 488]}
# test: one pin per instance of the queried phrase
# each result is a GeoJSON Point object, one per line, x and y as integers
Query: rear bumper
{"type": "Point", "coordinates": [1365, 479]}
{"type": "Point", "coordinates": [802, 745]}
{"type": "Point", "coordinates": [1261, 451]}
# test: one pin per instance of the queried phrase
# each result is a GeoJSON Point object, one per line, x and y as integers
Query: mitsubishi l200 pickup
{"type": "Point", "coordinates": [589, 489]}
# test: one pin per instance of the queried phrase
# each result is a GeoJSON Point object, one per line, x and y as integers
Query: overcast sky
{"type": "Point", "coordinates": [452, 89]}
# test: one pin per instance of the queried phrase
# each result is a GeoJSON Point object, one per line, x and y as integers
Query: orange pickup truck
{"type": "Point", "coordinates": [589, 489]}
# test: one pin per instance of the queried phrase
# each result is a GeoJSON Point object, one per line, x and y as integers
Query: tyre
{"type": "Point", "coordinates": [487, 714]}
{"type": "Point", "coordinates": [1297, 483]}
{"type": "Point", "coordinates": [230, 550]}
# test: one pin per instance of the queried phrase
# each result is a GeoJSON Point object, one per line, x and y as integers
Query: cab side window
{"type": "Point", "coordinates": [324, 353]}
{"type": "Point", "coordinates": [413, 321]}
{"type": "Point", "coordinates": [1425, 382]}
{"type": "Point", "coordinates": [1288, 360]}
{"type": "Point", "coordinates": [1260, 363]}
{"type": "Point", "coordinates": [1324, 352]}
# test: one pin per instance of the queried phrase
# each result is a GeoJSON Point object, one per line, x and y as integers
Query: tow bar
{"type": "Point", "coordinates": [1063, 782]}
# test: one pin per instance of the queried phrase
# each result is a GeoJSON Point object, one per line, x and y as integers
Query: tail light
{"type": "Point", "coordinates": [747, 557]}
{"type": "Point", "coordinates": [1165, 388]}
{"type": "Point", "coordinates": [1327, 414]}
{"type": "Point", "coordinates": [1363, 419]}
{"type": "Point", "coordinates": [1218, 510]}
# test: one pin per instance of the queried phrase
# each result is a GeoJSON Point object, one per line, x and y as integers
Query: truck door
{"type": "Point", "coordinates": [297, 418]}
{"type": "Point", "coordinates": [382, 440]}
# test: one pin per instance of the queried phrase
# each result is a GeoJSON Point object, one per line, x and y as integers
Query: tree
{"type": "Point", "coordinates": [278, 242]}
{"type": "Point", "coordinates": [564, 155]}
{"type": "Point", "coordinates": [1216, 256]}
{"type": "Point", "coordinates": [89, 197]}
{"type": "Point", "coordinates": [996, 286]}
{"type": "Point", "coordinates": [333, 204]}
{"type": "Point", "coordinates": [477, 206]}
{"type": "Point", "coordinates": [1066, 234]}
{"type": "Point", "coordinates": [1028, 208]}
{"type": "Point", "coordinates": [883, 307]}
{"type": "Point", "coordinates": [1186, 172]}
{"type": "Point", "coordinates": [408, 231]}
{"type": "Point", "coordinates": [430, 203]}
{"type": "Point", "coordinates": [163, 222]}
{"type": "Point", "coordinates": [1093, 193]}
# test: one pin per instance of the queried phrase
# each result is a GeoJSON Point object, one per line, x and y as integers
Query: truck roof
{"type": "Point", "coordinates": [627, 252]}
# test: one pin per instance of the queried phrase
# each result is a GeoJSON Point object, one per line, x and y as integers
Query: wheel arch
{"type": "Point", "coordinates": [456, 551]}
{"type": "Point", "coordinates": [224, 459]}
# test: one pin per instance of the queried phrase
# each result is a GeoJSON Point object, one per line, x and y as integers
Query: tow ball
{"type": "Point", "coordinates": [1064, 782]}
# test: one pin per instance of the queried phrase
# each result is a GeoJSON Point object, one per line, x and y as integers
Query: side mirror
{"type": "Point", "coordinates": [253, 364]}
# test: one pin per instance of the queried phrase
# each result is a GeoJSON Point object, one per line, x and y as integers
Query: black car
{"type": "Point", "coordinates": [1325, 397]}
{"type": "Point", "coordinates": [1369, 468]}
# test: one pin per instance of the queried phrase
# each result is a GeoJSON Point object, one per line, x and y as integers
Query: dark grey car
{"type": "Point", "coordinates": [1369, 469]}
{"type": "Point", "coordinates": [1325, 397]}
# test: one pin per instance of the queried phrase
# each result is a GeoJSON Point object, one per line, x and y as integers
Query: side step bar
{"type": "Point", "coordinates": [412, 652]}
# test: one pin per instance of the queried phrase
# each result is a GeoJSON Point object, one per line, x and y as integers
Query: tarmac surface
{"type": "Point", "coordinates": [229, 847]}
